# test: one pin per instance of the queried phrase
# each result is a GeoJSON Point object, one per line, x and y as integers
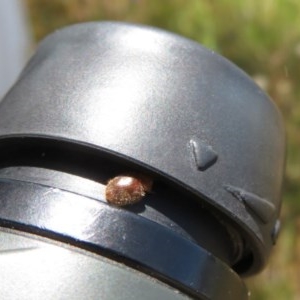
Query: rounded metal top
{"type": "Point", "coordinates": [163, 103]}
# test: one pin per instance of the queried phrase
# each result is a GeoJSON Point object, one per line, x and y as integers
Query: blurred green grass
{"type": "Point", "coordinates": [263, 38]}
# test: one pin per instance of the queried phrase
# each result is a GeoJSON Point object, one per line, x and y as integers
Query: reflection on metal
{"type": "Point", "coordinates": [53, 272]}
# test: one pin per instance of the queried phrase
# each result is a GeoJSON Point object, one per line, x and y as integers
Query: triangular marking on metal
{"type": "Point", "coordinates": [203, 154]}
{"type": "Point", "coordinates": [263, 208]}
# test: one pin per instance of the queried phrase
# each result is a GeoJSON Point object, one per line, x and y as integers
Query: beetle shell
{"type": "Point", "coordinates": [124, 190]}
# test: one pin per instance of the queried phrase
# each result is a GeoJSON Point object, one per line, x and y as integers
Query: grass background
{"type": "Point", "coordinates": [261, 37]}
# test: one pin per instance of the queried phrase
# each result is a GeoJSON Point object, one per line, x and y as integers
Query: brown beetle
{"type": "Point", "coordinates": [127, 189]}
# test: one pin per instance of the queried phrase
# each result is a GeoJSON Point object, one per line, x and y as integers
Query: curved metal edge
{"type": "Point", "coordinates": [114, 232]}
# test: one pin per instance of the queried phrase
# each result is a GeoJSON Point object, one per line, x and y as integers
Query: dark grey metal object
{"type": "Point", "coordinates": [100, 98]}
{"type": "Point", "coordinates": [116, 233]}
{"type": "Point", "coordinates": [50, 272]}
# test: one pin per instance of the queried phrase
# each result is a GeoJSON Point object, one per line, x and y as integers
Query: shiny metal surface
{"type": "Point", "coordinates": [34, 269]}
{"type": "Point", "coordinates": [120, 235]}
{"type": "Point", "coordinates": [160, 103]}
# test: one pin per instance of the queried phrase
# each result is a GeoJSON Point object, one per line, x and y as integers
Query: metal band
{"type": "Point", "coordinates": [114, 232]}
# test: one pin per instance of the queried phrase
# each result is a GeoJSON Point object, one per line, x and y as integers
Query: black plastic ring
{"type": "Point", "coordinates": [111, 231]}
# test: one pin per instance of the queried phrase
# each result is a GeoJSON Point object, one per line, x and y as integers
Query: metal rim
{"type": "Point", "coordinates": [114, 232]}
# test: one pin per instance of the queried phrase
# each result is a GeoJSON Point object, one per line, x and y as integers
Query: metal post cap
{"type": "Point", "coordinates": [162, 104]}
